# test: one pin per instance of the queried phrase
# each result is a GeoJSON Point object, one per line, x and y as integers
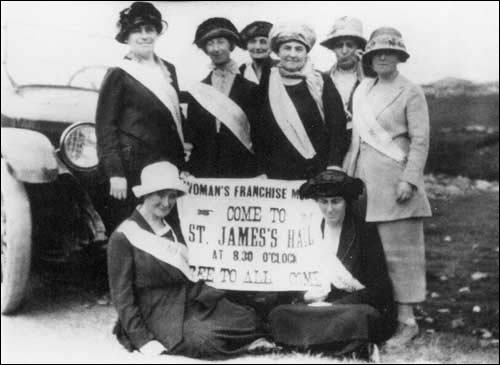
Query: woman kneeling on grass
{"type": "Point", "coordinates": [353, 309]}
{"type": "Point", "coordinates": [160, 309]}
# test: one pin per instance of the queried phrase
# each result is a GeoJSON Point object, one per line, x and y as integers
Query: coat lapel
{"type": "Point", "coordinates": [397, 88]}
{"type": "Point", "coordinates": [347, 238]}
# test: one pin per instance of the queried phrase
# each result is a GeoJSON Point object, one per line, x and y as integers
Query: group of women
{"type": "Point", "coordinates": [278, 119]}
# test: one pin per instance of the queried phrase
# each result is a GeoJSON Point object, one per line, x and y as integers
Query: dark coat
{"type": "Point", "coordinates": [364, 315]}
{"type": "Point", "coordinates": [266, 69]}
{"type": "Point", "coordinates": [155, 301]}
{"type": "Point", "coordinates": [277, 156]}
{"type": "Point", "coordinates": [221, 155]}
{"type": "Point", "coordinates": [134, 128]}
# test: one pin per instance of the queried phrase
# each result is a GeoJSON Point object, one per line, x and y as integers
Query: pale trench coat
{"type": "Point", "coordinates": [404, 115]}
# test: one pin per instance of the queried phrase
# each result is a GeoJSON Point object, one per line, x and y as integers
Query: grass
{"type": "Point", "coordinates": [67, 301]}
{"type": "Point", "coordinates": [455, 152]}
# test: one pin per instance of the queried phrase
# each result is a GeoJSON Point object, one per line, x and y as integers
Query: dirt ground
{"type": "Point", "coordinates": [68, 319]}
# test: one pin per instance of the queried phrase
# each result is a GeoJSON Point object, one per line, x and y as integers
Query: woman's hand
{"type": "Point", "coordinates": [359, 54]}
{"type": "Point", "coordinates": [184, 175]}
{"type": "Point", "coordinates": [152, 348]}
{"type": "Point", "coordinates": [405, 191]}
{"type": "Point", "coordinates": [118, 187]}
{"type": "Point", "coordinates": [316, 295]}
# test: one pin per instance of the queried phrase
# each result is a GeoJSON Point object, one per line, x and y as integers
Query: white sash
{"type": "Point", "coordinates": [164, 91]}
{"type": "Point", "coordinates": [250, 73]}
{"type": "Point", "coordinates": [225, 110]}
{"type": "Point", "coordinates": [333, 271]}
{"type": "Point", "coordinates": [287, 117]}
{"type": "Point", "coordinates": [170, 252]}
{"type": "Point", "coordinates": [367, 129]}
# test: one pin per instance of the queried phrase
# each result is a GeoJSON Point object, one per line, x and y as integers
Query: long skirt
{"type": "Point", "coordinates": [305, 326]}
{"type": "Point", "coordinates": [403, 242]}
{"type": "Point", "coordinates": [225, 331]}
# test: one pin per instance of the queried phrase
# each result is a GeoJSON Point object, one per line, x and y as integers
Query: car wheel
{"type": "Point", "coordinates": [16, 241]}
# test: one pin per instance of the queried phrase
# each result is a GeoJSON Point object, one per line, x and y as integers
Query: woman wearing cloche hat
{"type": "Point", "coordinates": [353, 308]}
{"type": "Point", "coordinates": [302, 128]}
{"type": "Point", "coordinates": [220, 109]}
{"type": "Point", "coordinates": [138, 118]}
{"type": "Point", "coordinates": [255, 39]}
{"type": "Point", "coordinates": [161, 308]}
{"type": "Point", "coordinates": [389, 150]}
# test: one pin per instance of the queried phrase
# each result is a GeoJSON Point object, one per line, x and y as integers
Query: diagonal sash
{"type": "Point", "coordinates": [225, 110]}
{"type": "Point", "coordinates": [367, 129]}
{"type": "Point", "coordinates": [170, 252]}
{"type": "Point", "coordinates": [287, 117]}
{"type": "Point", "coordinates": [163, 90]}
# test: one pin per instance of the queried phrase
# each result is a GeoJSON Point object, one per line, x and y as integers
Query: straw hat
{"type": "Point", "coordinates": [345, 27]}
{"type": "Point", "coordinates": [159, 176]}
{"type": "Point", "coordinates": [386, 38]}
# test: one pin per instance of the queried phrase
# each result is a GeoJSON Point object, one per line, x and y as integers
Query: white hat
{"type": "Point", "coordinates": [291, 31]}
{"type": "Point", "coordinates": [159, 176]}
{"type": "Point", "coordinates": [345, 27]}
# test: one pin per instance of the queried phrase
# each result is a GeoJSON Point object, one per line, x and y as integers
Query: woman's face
{"type": "Point", "coordinates": [219, 50]}
{"type": "Point", "coordinates": [333, 209]}
{"type": "Point", "coordinates": [258, 48]}
{"type": "Point", "coordinates": [385, 63]}
{"type": "Point", "coordinates": [142, 39]}
{"type": "Point", "coordinates": [161, 203]}
{"type": "Point", "coordinates": [293, 55]}
{"type": "Point", "coordinates": [345, 51]}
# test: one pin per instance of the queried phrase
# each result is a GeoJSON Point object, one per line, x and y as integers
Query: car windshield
{"type": "Point", "coordinates": [56, 55]}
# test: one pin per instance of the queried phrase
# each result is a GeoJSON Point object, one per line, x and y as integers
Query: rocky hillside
{"type": "Point", "coordinates": [450, 87]}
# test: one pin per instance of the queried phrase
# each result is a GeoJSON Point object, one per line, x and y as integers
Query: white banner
{"type": "Point", "coordinates": [251, 234]}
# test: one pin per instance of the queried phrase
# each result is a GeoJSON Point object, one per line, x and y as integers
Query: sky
{"type": "Point", "coordinates": [46, 42]}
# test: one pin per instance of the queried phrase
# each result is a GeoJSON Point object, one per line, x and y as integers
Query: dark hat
{"type": "Point", "coordinates": [139, 13]}
{"type": "Point", "coordinates": [255, 29]}
{"type": "Point", "coordinates": [332, 183]}
{"type": "Point", "coordinates": [216, 27]}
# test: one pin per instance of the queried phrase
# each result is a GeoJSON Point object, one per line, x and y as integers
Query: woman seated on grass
{"type": "Point", "coordinates": [160, 309]}
{"type": "Point", "coordinates": [353, 308]}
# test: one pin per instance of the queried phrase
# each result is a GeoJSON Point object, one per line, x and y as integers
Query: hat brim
{"type": "Point", "coordinates": [216, 33]}
{"type": "Point", "coordinates": [330, 42]}
{"type": "Point", "coordinates": [124, 33]}
{"type": "Point", "coordinates": [276, 44]}
{"type": "Point", "coordinates": [141, 190]}
{"type": "Point", "coordinates": [367, 56]}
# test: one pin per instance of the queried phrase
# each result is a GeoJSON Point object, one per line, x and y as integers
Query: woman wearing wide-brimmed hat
{"type": "Point", "coordinates": [161, 309]}
{"type": "Point", "coordinates": [302, 126]}
{"type": "Point", "coordinates": [388, 151]}
{"type": "Point", "coordinates": [138, 119]}
{"type": "Point", "coordinates": [220, 110]}
{"type": "Point", "coordinates": [346, 40]}
{"type": "Point", "coordinates": [354, 305]}
{"type": "Point", "coordinates": [255, 39]}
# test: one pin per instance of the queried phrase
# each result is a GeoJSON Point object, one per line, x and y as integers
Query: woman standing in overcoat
{"type": "Point", "coordinates": [301, 128]}
{"type": "Point", "coordinates": [388, 152]}
{"type": "Point", "coordinates": [138, 119]}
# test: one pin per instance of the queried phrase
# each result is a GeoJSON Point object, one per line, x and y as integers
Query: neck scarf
{"type": "Point", "coordinates": [313, 79]}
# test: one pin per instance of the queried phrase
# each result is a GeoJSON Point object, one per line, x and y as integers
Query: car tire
{"type": "Point", "coordinates": [16, 241]}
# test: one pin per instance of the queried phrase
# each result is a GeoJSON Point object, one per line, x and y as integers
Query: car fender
{"type": "Point", "coordinates": [29, 155]}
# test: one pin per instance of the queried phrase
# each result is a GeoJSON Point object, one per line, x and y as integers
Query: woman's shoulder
{"type": "Point", "coordinates": [170, 66]}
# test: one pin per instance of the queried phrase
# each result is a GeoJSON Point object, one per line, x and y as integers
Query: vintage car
{"type": "Point", "coordinates": [53, 196]}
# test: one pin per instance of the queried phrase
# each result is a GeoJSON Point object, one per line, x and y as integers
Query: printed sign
{"type": "Point", "coordinates": [251, 234]}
